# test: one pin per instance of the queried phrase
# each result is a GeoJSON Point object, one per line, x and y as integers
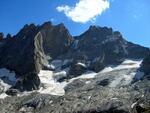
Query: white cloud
{"type": "Point", "coordinates": [84, 10]}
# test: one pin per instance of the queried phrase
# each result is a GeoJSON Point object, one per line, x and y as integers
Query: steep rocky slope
{"type": "Point", "coordinates": [25, 54]}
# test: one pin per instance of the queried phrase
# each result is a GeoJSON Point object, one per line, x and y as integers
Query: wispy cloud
{"type": "Point", "coordinates": [84, 10]}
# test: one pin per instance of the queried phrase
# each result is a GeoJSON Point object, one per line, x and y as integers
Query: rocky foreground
{"type": "Point", "coordinates": [43, 69]}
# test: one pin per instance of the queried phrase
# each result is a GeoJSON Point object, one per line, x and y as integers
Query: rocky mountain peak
{"type": "Point", "coordinates": [98, 28]}
{"type": "Point", "coordinates": [29, 30]}
{"type": "Point", "coordinates": [96, 34]}
{"type": "Point", "coordinates": [46, 25]}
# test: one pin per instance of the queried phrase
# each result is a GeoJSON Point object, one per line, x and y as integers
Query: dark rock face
{"type": "Point", "coordinates": [104, 42]}
{"type": "Point", "coordinates": [56, 39]}
{"type": "Point", "coordinates": [146, 64]}
{"type": "Point", "coordinates": [1, 36]}
{"type": "Point", "coordinates": [17, 53]}
{"type": "Point", "coordinates": [24, 54]}
{"type": "Point", "coordinates": [28, 82]}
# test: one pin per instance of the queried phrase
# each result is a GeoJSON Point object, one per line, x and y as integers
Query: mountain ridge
{"type": "Point", "coordinates": [34, 47]}
{"type": "Point", "coordinates": [45, 69]}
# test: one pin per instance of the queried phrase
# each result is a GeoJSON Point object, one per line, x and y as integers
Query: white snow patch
{"type": "Point", "coordinates": [4, 86]}
{"type": "Point", "coordinates": [87, 75]}
{"type": "Point", "coordinates": [127, 64]}
{"type": "Point", "coordinates": [122, 80]}
{"type": "Point", "coordinates": [57, 76]}
{"type": "Point", "coordinates": [82, 64]}
{"type": "Point", "coordinates": [25, 93]}
{"type": "Point", "coordinates": [107, 69]}
{"type": "Point", "coordinates": [50, 86]}
{"type": "Point", "coordinates": [87, 82]}
{"type": "Point", "coordinates": [132, 106]}
{"type": "Point", "coordinates": [3, 96]}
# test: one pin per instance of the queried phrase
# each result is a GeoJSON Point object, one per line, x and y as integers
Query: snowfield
{"type": "Point", "coordinates": [127, 64]}
{"type": "Point", "coordinates": [124, 79]}
{"type": "Point", "coordinates": [50, 85]}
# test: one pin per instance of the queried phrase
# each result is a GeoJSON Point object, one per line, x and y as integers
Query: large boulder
{"type": "Point", "coordinates": [77, 69]}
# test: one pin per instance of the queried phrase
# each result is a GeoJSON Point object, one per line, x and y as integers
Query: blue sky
{"type": "Point", "coordinates": [130, 17]}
